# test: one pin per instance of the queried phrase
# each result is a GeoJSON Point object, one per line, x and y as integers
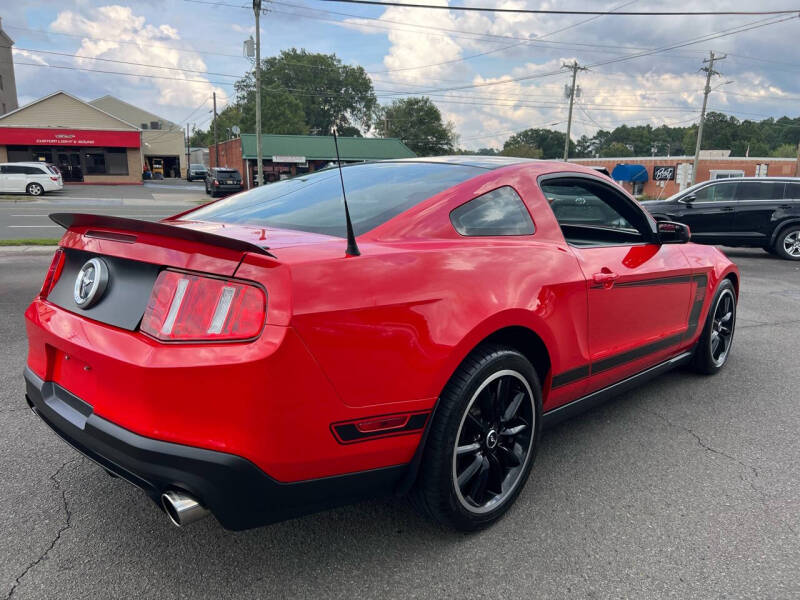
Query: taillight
{"type": "Point", "coordinates": [53, 273]}
{"type": "Point", "coordinates": [185, 307]}
{"type": "Point", "coordinates": [216, 182]}
{"type": "Point", "coordinates": [53, 178]}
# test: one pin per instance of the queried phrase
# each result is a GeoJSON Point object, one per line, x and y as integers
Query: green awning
{"type": "Point", "coordinates": [321, 147]}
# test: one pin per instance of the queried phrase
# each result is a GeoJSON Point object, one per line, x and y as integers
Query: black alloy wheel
{"type": "Point", "coordinates": [494, 441]}
{"type": "Point", "coordinates": [482, 440]}
{"type": "Point", "coordinates": [714, 346]}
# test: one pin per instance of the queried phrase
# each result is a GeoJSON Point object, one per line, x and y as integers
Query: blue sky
{"type": "Point", "coordinates": [502, 64]}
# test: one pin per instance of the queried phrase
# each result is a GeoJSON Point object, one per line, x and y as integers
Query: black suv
{"type": "Point", "coordinates": [760, 212]}
{"type": "Point", "coordinates": [221, 181]}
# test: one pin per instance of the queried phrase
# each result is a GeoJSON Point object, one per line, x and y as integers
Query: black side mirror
{"type": "Point", "coordinates": [688, 199]}
{"type": "Point", "coordinates": [670, 232]}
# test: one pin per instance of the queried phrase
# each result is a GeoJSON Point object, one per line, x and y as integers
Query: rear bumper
{"type": "Point", "coordinates": [234, 489]}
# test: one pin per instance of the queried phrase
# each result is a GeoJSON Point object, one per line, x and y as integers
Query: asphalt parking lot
{"type": "Point", "coordinates": [24, 217]}
{"type": "Point", "coordinates": [684, 488]}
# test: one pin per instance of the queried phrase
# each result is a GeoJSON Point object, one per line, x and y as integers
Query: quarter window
{"type": "Point", "coordinates": [499, 212]}
{"type": "Point", "coordinates": [758, 190]}
{"type": "Point", "coordinates": [792, 191]}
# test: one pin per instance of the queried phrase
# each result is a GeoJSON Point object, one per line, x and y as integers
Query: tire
{"type": "Point", "coordinates": [34, 189]}
{"type": "Point", "coordinates": [719, 328]}
{"type": "Point", "coordinates": [787, 244]}
{"type": "Point", "coordinates": [473, 487]}
{"type": "Point", "coordinates": [208, 191]}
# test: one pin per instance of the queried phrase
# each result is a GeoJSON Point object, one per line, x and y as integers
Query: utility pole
{"type": "Point", "coordinates": [259, 149]}
{"type": "Point", "coordinates": [188, 153]}
{"type": "Point", "coordinates": [570, 93]}
{"type": "Point", "coordinates": [216, 140]}
{"type": "Point", "coordinates": [709, 70]}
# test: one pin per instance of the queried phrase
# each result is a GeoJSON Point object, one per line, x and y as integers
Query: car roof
{"type": "Point", "coordinates": [764, 179]}
{"type": "Point", "coordinates": [29, 163]}
{"type": "Point", "coordinates": [483, 162]}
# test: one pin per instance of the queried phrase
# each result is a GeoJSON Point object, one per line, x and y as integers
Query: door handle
{"type": "Point", "coordinates": [726, 209]}
{"type": "Point", "coordinates": [605, 278]}
{"type": "Point", "coordinates": [785, 206]}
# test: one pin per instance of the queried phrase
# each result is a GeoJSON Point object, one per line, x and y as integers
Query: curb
{"type": "Point", "coordinates": [27, 250]}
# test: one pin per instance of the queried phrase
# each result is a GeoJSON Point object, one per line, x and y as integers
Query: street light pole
{"type": "Point", "coordinates": [259, 149]}
{"type": "Point", "coordinates": [216, 139]}
{"type": "Point", "coordinates": [709, 73]}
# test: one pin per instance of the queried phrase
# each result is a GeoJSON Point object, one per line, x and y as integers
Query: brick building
{"type": "Point", "coordinates": [654, 177]}
{"type": "Point", "coordinates": [288, 155]}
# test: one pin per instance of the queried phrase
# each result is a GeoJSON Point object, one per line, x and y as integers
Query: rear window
{"type": "Point", "coordinates": [376, 192]}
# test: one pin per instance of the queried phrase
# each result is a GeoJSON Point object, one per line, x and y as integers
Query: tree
{"type": "Point", "coordinates": [521, 151]}
{"type": "Point", "coordinates": [329, 92]}
{"type": "Point", "coordinates": [419, 124]}
{"type": "Point", "coordinates": [616, 149]}
{"type": "Point", "coordinates": [784, 151]}
{"type": "Point", "coordinates": [551, 143]}
{"type": "Point", "coordinates": [281, 113]}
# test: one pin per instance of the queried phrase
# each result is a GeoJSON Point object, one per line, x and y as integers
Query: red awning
{"type": "Point", "coordinates": [25, 136]}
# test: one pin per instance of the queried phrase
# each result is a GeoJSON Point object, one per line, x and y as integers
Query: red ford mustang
{"type": "Point", "coordinates": [247, 359]}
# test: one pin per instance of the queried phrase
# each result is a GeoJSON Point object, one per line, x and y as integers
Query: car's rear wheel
{"type": "Point", "coordinates": [788, 243]}
{"type": "Point", "coordinates": [34, 189]}
{"type": "Point", "coordinates": [714, 346]}
{"type": "Point", "coordinates": [482, 441]}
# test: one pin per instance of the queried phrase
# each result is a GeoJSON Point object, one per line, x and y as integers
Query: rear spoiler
{"type": "Point", "coordinates": [67, 220]}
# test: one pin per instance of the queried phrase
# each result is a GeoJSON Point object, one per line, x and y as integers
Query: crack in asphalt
{"type": "Point", "coordinates": [762, 497]}
{"type": "Point", "coordinates": [67, 524]}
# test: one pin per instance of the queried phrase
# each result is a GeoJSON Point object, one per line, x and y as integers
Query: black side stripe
{"type": "Point", "coordinates": [635, 354]}
{"type": "Point", "coordinates": [570, 376]}
{"type": "Point", "coordinates": [617, 360]}
{"type": "Point", "coordinates": [647, 282]}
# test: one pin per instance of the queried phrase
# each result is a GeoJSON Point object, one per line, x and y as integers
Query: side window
{"type": "Point", "coordinates": [792, 191]}
{"type": "Point", "coordinates": [721, 192]}
{"type": "Point", "coordinates": [14, 170]}
{"type": "Point", "coordinates": [499, 212]}
{"type": "Point", "coordinates": [33, 171]}
{"type": "Point", "coordinates": [590, 213]}
{"type": "Point", "coordinates": [759, 190]}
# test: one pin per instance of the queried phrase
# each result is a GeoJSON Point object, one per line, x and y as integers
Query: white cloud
{"type": "Point", "coordinates": [28, 56]}
{"type": "Point", "coordinates": [139, 42]}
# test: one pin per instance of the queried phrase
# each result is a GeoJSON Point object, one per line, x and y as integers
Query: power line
{"type": "Point", "coordinates": [123, 62]}
{"type": "Point", "coordinates": [118, 41]}
{"type": "Point", "coordinates": [571, 12]}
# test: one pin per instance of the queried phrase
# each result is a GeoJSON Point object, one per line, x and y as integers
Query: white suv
{"type": "Point", "coordinates": [34, 178]}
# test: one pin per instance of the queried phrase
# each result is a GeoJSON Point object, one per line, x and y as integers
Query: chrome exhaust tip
{"type": "Point", "coordinates": [181, 508]}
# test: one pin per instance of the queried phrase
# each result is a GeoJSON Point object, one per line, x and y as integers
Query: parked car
{"type": "Point", "coordinates": [221, 181]}
{"type": "Point", "coordinates": [196, 171]}
{"type": "Point", "coordinates": [32, 178]}
{"type": "Point", "coordinates": [758, 212]}
{"type": "Point", "coordinates": [276, 363]}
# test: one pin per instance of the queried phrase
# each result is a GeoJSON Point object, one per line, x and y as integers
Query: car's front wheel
{"type": "Point", "coordinates": [788, 243]}
{"type": "Point", "coordinates": [482, 441]}
{"type": "Point", "coordinates": [714, 346]}
{"type": "Point", "coordinates": [34, 189]}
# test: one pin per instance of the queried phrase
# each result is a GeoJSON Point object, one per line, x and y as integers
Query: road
{"type": "Point", "coordinates": [684, 488]}
{"type": "Point", "coordinates": [24, 217]}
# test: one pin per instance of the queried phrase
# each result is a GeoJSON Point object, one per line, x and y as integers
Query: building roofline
{"type": "Point", "coordinates": [56, 93]}
{"type": "Point", "coordinates": [132, 106]}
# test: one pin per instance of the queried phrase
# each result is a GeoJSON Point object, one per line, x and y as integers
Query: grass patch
{"type": "Point", "coordinates": [31, 242]}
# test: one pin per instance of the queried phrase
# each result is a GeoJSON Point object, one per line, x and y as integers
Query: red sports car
{"type": "Point", "coordinates": [253, 359]}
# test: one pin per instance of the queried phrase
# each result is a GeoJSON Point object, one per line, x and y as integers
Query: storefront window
{"type": "Point", "coordinates": [116, 161]}
{"type": "Point", "coordinates": [74, 162]}
{"type": "Point", "coordinates": [95, 163]}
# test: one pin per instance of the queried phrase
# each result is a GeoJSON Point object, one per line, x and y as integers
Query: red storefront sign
{"type": "Point", "coordinates": [25, 136]}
